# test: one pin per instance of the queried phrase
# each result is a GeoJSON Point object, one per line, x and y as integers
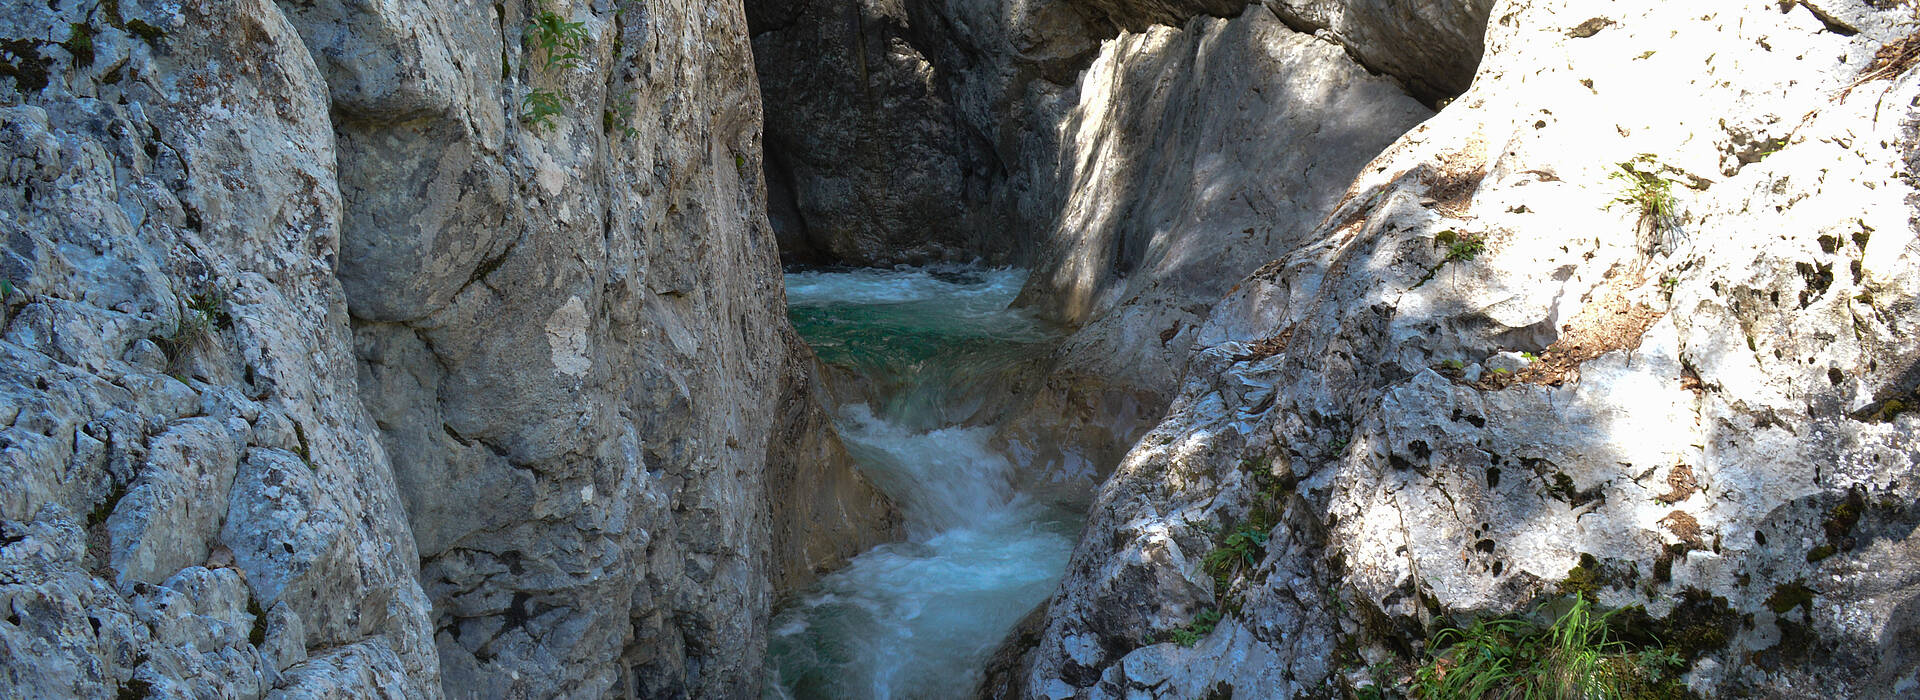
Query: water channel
{"type": "Point", "coordinates": [922, 354]}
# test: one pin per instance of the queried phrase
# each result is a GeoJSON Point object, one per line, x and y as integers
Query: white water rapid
{"type": "Point", "coordinates": [918, 619]}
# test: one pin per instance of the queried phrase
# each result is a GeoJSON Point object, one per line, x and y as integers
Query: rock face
{"type": "Point", "coordinates": [868, 158]}
{"type": "Point", "coordinates": [1190, 155]}
{"type": "Point", "coordinates": [824, 512]}
{"type": "Point", "coordinates": [922, 130]}
{"type": "Point", "coordinates": [931, 129]}
{"type": "Point", "coordinates": [185, 448]}
{"type": "Point", "coordinates": [339, 363]}
{"type": "Point", "coordinates": [1715, 427]}
{"type": "Point", "coordinates": [1432, 47]}
{"type": "Point", "coordinates": [396, 349]}
{"type": "Point", "coordinates": [1123, 174]}
{"type": "Point", "coordinates": [585, 484]}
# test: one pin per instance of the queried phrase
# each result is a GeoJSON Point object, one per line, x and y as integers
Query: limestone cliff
{"type": "Point", "coordinates": [1632, 317]}
{"type": "Point", "coordinates": [396, 348]}
{"type": "Point", "coordinates": [1138, 178]}
{"type": "Point", "coordinates": [1192, 153]}
{"type": "Point", "coordinates": [415, 349]}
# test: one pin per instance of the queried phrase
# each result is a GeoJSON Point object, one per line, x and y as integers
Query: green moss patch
{"type": "Point", "coordinates": [1698, 624]}
{"type": "Point", "coordinates": [1788, 596]}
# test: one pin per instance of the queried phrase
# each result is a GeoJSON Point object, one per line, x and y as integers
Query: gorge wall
{"type": "Point", "coordinates": [1138, 165]}
{"type": "Point", "coordinates": [1629, 317]}
{"type": "Point", "coordinates": [1489, 373]}
{"type": "Point", "coordinates": [416, 349]}
{"type": "Point", "coordinates": [335, 369]}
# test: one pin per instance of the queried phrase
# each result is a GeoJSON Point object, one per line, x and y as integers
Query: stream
{"type": "Point", "coordinates": [918, 357]}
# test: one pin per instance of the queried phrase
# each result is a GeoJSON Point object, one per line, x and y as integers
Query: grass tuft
{"type": "Point", "coordinates": [1513, 659]}
{"type": "Point", "coordinates": [1198, 629]}
{"type": "Point", "coordinates": [1642, 187]}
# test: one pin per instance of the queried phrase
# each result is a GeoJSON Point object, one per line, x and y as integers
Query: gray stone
{"type": "Point", "coordinates": [1192, 155]}
{"type": "Point", "coordinates": [832, 513]}
{"type": "Point", "coordinates": [1432, 47]}
{"type": "Point", "coordinates": [169, 518]}
{"type": "Point", "coordinates": [177, 195]}
{"type": "Point", "coordinates": [304, 304]}
{"type": "Point", "coordinates": [1150, 666]}
{"type": "Point", "coordinates": [869, 159]}
{"type": "Point", "coordinates": [285, 641]}
{"type": "Point", "coordinates": [279, 524]}
{"type": "Point", "coordinates": [363, 670]}
{"type": "Point", "coordinates": [1712, 394]}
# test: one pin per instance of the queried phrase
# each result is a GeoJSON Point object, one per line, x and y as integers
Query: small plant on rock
{"type": "Point", "coordinates": [1460, 247]}
{"type": "Point", "coordinates": [1241, 549]}
{"type": "Point", "coordinates": [1659, 664]}
{"type": "Point", "coordinates": [1644, 188]}
{"type": "Point", "coordinates": [200, 314]}
{"type": "Point", "coordinates": [560, 44]}
{"type": "Point", "coordinates": [541, 107]}
{"type": "Point", "coordinates": [619, 115]}
{"type": "Point", "coordinates": [1201, 626]}
{"type": "Point", "coordinates": [558, 40]}
{"type": "Point", "coordinates": [1575, 657]}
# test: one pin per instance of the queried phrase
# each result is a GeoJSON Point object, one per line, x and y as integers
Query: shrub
{"type": "Point", "coordinates": [559, 41]}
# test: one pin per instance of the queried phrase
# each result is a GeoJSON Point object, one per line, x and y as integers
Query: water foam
{"type": "Point", "coordinates": [917, 619]}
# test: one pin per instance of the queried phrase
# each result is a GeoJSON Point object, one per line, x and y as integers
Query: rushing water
{"type": "Point", "coordinates": [917, 619]}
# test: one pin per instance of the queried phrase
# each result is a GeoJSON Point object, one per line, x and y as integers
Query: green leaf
{"type": "Point", "coordinates": [541, 108]}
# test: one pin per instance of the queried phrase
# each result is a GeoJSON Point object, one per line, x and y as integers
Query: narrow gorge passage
{"type": "Point", "coordinates": [918, 359]}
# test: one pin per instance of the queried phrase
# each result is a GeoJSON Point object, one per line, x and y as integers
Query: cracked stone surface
{"type": "Point", "coordinates": [1714, 429]}
{"type": "Point", "coordinates": [329, 375]}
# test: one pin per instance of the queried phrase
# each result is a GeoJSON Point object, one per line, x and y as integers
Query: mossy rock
{"type": "Point", "coordinates": [1699, 624]}
{"type": "Point", "coordinates": [1788, 596]}
{"type": "Point", "coordinates": [1591, 575]}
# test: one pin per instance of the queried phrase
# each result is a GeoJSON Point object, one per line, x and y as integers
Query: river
{"type": "Point", "coordinates": [923, 354]}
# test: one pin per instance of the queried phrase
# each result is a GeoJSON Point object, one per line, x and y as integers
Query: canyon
{"type": "Point", "coordinates": [485, 349]}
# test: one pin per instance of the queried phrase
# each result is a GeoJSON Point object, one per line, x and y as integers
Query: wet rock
{"type": "Point", "coordinates": [829, 512]}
